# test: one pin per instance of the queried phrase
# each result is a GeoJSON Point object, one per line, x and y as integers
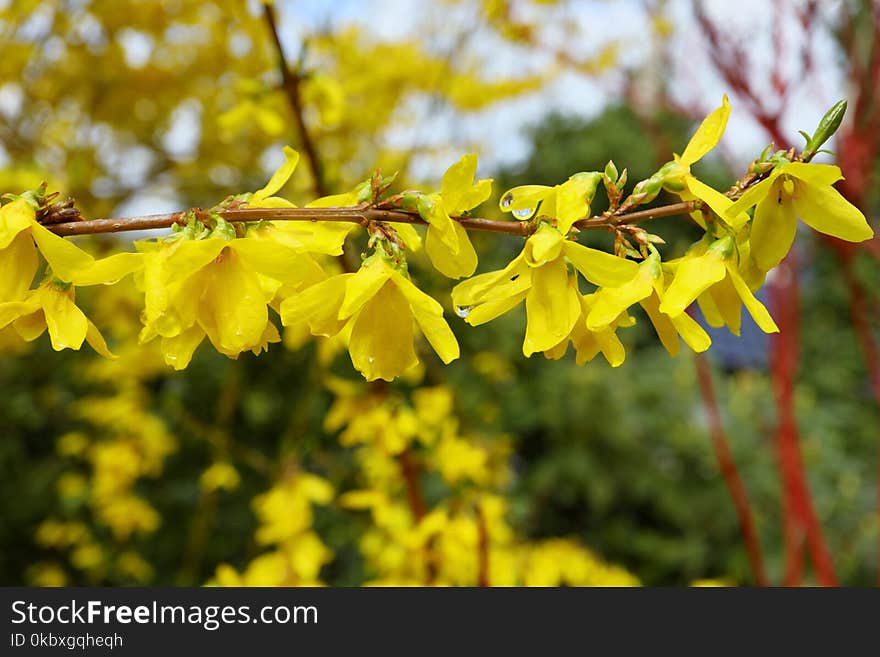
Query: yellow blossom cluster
{"type": "Point", "coordinates": [285, 516]}
{"type": "Point", "coordinates": [123, 445]}
{"type": "Point", "coordinates": [119, 446]}
{"type": "Point", "coordinates": [462, 538]}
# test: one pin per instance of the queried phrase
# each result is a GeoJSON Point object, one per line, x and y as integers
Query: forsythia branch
{"type": "Point", "coordinates": [358, 215]}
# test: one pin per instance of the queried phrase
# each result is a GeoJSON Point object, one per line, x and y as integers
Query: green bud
{"type": "Point", "coordinates": [611, 171]}
{"type": "Point", "coordinates": [827, 126]}
{"type": "Point", "coordinates": [223, 228]}
{"type": "Point", "coordinates": [364, 192]}
{"type": "Point", "coordinates": [723, 246]}
{"type": "Point", "coordinates": [425, 205]}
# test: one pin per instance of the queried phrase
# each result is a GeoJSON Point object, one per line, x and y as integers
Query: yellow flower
{"type": "Point", "coordinates": [20, 238]}
{"type": "Point", "coordinates": [51, 306]}
{"type": "Point", "coordinates": [219, 287]}
{"type": "Point", "coordinates": [798, 189]}
{"type": "Point", "coordinates": [647, 288]}
{"type": "Point", "coordinates": [447, 243]}
{"type": "Point", "coordinates": [379, 304]}
{"type": "Point", "coordinates": [565, 203]}
{"type": "Point", "coordinates": [588, 342]}
{"type": "Point", "coordinates": [539, 276]}
{"type": "Point", "coordinates": [315, 236]}
{"type": "Point", "coordinates": [710, 269]}
{"type": "Point", "coordinates": [219, 476]}
{"type": "Point", "coordinates": [679, 180]}
{"type": "Point", "coordinates": [285, 510]}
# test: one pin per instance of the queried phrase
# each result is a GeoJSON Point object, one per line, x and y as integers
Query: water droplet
{"type": "Point", "coordinates": [524, 213]}
{"type": "Point", "coordinates": [463, 311]}
{"type": "Point", "coordinates": [507, 201]}
{"type": "Point", "coordinates": [370, 359]}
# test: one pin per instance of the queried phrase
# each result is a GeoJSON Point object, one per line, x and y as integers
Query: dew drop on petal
{"type": "Point", "coordinates": [463, 311]}
{"type": "Point", "coordinates": [523, 213]}
{"type": "Point", "coordinates": [507, 201]}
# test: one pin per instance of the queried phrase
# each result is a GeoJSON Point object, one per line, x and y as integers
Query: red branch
{"type": "Point", "coordinates": [730, 472]}
{"type": "Point", "coordinates": [801, 521]}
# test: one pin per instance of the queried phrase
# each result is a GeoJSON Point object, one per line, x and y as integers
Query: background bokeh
{"type": "Point", "coordinates": [286, 468]}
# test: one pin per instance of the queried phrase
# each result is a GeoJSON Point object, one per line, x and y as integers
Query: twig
{"type": "Point", "coordinates": [354, 214]}
{"type": "Point", "coordinates": [730, 472]}
{"type": "Point", "coordinates": [291, 80]}
{"type": "Point", "coordinates": [409, 468]}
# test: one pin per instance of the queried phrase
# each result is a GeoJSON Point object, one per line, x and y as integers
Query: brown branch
{"type": "Point", "coordinates": [354, 214]}
{"type": "Point", "coordinates": [291, 80]}
{"type": "Point", "coordinates": [730, 472]}
{"type": "Point", "coordinates": [409, 469]}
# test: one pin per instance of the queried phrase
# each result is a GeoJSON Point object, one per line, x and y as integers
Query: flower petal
{"type": "Point", "coordinates": [13, 310]}
{"type": "Point", "coordinates": [178, 351]}
{"type": "Point", "coordinates": [364, 285]}
{"type": "Point", "coordinates": [522, 201]}
{"type": "Point", "coordinates": [14, 218]}
{"type": "Point", "coordinates": [752, 196]}
{"type": "Point", "coordinates": [381, 344]}
{"type": "Point", "coordinates": [710, 311]}
{"type": "Point", "coordinates": [107, 271]}
{"type": "Point", "coordinates": [18, 265]}
{"type": "Point", "coordinates": [728, 303]}
{"type": "Point", "coordinates": [610, 302]}
{"type": "Point", "coordinates": [819, 175]}
{"type": "Point", "coordinates": [233, 308]}
{"type": "Point", "coordinates": [432, 210]}
{"type": "Point", "coordinates": [598, 267]}
{"type": "Point", "coordinates": [409, 235]}
{"type": "Point", "coordinates": [452, 265]}
{"type": "Point", "coordinates": [662, 324]}
{"type": "Point", "coordinates": [477, 194]}
{"type": "Point", "coordinates": [692, 277]}
{"type": "Point", "coordinates": [96, 341]}
{"type": "Point", "coordinates": [489, 310]}
{"type": "Point", "coordinates": [286, 265]}
{"type": "Point", "coordinates": [542, 247]}
{"type": "Point", "coordinates": [278, 179]}
{"type": "Point", "coordinates": [708, 134]}
{"type": "Point", "coordinates": [717, 201]}
{"type": "Point", "coordinates": [64, 257]}
{"type": "Point", "coordinates": [457, 180]}
{"type": "Point", "coordinates": [756, 308]}
{"type": "Point", "coordinates": [573, 198]}
{"type": "Point", "coordinates": [692, 333]}
{"type": "Point", "coordinates": [429, 316]}
{"type": "Point", "coordinates": [552, 307]}
{"type": "Point", "coordinates": [825, 210]}
{"type": "Point", "coordinates": [773, 229]}
{"type": "Point", "coordinates": [318, 306]}
{"type": "Point", "coordinates": [485, 286]}
{"type": "Point", "coordinates": [67, 324]}
{"type": "Point", "coordinates": [185, 257]}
